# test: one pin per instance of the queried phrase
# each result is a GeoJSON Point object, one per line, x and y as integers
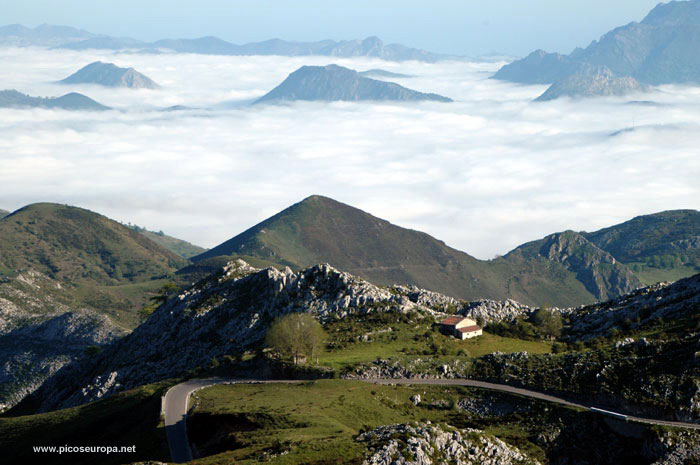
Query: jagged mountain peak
{"type": "Point", "coordinates": [673, 13]}
{"type": "Point", "coordinates": [659, 50]}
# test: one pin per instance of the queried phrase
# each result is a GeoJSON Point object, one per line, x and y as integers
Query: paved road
{"type": "Point", "coordinates": [175, 405]}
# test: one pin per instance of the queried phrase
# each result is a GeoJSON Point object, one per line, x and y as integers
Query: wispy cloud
{"type": "Point", "coordinates": [485, 173]}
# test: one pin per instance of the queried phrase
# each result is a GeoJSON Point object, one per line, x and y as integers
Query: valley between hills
{"type": "Point", "coordinates": [98, 319]}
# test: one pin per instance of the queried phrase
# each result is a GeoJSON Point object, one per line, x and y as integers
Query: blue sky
{"type": "Point", "coordinates": [468, 27]}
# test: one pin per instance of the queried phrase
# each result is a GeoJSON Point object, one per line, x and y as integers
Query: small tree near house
{"type": "Point", "coordinates": [296, 336]}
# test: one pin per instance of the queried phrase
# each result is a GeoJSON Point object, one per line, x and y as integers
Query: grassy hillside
{"type": "Point", "coordinates": [75, 245]}
{"type": "Point", "coordinates": [601, 274]}
{"type": "Point", "coordinates": [313, 422]}
{"type": "Point", "coordinates": [364, 339]}
{"type": "Point", "coordinates": [318, 423]}
{"type": "Point", "coordinates": [91, 260]}
{"type": "Point", "coordinates": [321, 230]}
{"type": "Point", "coordinates": [3, 213]}
{"type": "Point", "coordinates": [177, 246]}
{"type": "Point", "coordinates": [564, 269]}
{"type": "Point", "coordinates": [660, 247]}
{"type": "Point", "coordinates": [128, 419]}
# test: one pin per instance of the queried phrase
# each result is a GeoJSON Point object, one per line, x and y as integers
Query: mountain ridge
{"type": "Point", "coordinates": [65, 37]}
{"type": "Point", "coordinates": [322, 230]}
{"type": "Point", "coordinates": [658, 50]}
{"type": "Point", "coordinates": [70, 101]}
{"type": "Point", "coordinates": [50, 238]}
{"type": "Point", "coordinates": [337, 83]}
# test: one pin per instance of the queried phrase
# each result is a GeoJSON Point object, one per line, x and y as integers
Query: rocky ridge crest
{"type": "Point", "coordinates": [427, 444]}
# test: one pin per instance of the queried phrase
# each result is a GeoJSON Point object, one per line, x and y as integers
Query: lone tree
{"type": "Point", "coordinates": [295, 336]}
{"type": "Point", "coordinates": [548, 321]}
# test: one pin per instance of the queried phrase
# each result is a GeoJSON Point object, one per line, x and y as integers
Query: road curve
{"type": "Point", "coordinates": [175, 404]}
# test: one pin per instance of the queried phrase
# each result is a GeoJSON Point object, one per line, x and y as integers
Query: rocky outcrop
{"type": "Point", "coordinates": [593, 81]}
{"type": "Point", "coordinates": [32, 353]}
{"type": "Point", "coordinates": [428, 299]}
{"type": "Point", "coordinates": [29, 298]}
{"type": "Point", "coordinates": [489, 311]}
{"type": "Point", "coordinates": [222, 315]}
{"type": "Point", "coordinates": [601, 274]}
{"type": "Point", "coordinates": [679, 449]}
{"type": "Point", "coordinates": [638, 308]}
{"type": "Point", "coordinates": [427, 444]}
{"type": "Point", "coordinates": [648, 378]}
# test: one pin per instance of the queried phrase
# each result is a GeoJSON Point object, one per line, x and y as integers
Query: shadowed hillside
{"type": "Point", "coordinates": [76, 245]}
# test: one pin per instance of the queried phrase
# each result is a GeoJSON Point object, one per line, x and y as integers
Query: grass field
{"type": "Point", "coordinates": [120, 302]}
{"type": "Point", "coordinates": [649, 275]}
{"type": "Point", "coordinates": [365, 339]}
{"type": "Point", "coordinates": [315, 422]}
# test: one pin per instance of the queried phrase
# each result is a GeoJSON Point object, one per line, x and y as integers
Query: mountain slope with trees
{"type": "Point", "coordinates": [75, 245]}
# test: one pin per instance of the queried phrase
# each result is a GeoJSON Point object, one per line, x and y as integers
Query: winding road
{"type": "Point", "coordinates": [176, 400]}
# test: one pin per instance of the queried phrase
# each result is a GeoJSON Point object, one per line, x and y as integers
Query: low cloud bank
{"type": "Point", "coordinates": [485, 173]}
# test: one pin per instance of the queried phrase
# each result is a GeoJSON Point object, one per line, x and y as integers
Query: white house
{"type": "Point", "coordinates": [460, 327]}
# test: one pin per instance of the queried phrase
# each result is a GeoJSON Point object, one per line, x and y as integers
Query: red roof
{"type": "Point", "coordinates": [469, 329]}
{"type": "Point", "coordinates": [452, 321]}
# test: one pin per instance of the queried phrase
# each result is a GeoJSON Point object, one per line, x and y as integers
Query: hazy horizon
{"type": "Point", "coordinates": [462, 28]}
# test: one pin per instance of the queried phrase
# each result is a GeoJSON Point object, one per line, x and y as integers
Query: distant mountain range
{"type": "Point", "coordinates": [75, 39]}
{"type": "Point", "coordinates": [662, 49]}
{"type": "Point", "coordinates": [45, 35]}
{"type": "Point", "coordinates": [110, 75]}
{"type": "Point", "coordinates": [564, 269]}
{"type": "Point", "coordinates": [71, 101]}
{"type": "Point", "coordinates": [3, 213]}
{"type": "Point", "coordinates": [593, 81]}
{"type": "Point", "coordinates": [333, 82]}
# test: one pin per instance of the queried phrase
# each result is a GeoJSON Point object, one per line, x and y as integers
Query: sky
{"type": "Point", "coordinates": [471, 27]}
{"type": "Point", "coordinates": [486, 173]}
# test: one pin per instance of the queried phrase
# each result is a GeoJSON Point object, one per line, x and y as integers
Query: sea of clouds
{"type": "Point", "coordinates": [486, 173]}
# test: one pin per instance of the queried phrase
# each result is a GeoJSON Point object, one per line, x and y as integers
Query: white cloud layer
{"type": "Point", "coordinates": [484, 174]}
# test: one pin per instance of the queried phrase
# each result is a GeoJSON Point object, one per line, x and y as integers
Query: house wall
{"type": "Point", "coordinates": [464, 323]}
{"type": "Point", "coordinates": [464, 336]}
